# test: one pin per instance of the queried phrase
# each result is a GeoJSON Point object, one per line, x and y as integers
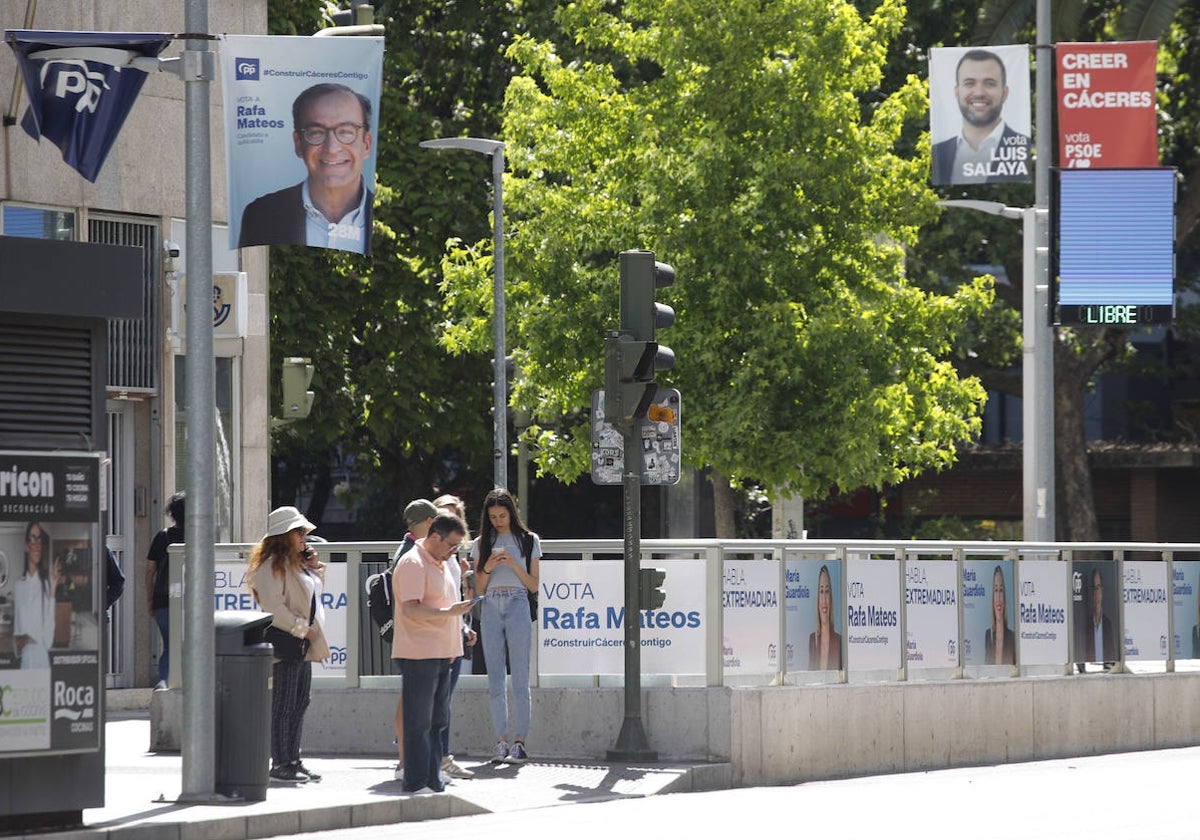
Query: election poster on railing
{"type": "Point", "coordinates": [931, 613]}
{"type": "Point", "coordinates": [1185, 590]}
{"type": "Point", "coordinates": [873, 614]}
{"type": "Point", "coordinates": [814, 624]}
{"type": "Point", "coordinates": [1144, 594]}
{"type": "Point", "coordinates": [1043, 612]}
{"type": "Point", "coordinates": [751, 617]}
{"type": "Point", "coordinates": [230, 592]}
{"type": "Point", "coordinates": [301, 121]}
{"type": "Point", "coordinates": [581, 618]}
{"type": "Point", "coordinates": [988, 607]}
{"type": "Point", "coordinates": [1107, 105]}
{"type": "Point", "coordinates": [1094, 593]}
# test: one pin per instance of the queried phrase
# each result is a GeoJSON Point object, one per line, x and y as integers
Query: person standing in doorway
{"type": "Point", "coordinates": [506, 558]}
{"type": "Point", "coordinates": [158, 581]}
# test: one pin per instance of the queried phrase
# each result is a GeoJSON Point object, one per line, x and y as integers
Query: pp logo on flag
{"type": "Point", "coordinates": [247, 68]}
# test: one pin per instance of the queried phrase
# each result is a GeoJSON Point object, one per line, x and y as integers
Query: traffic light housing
{"type": "Point", "coordinates": [297, 398]}
{"type": "Point", "coordinates": [652, 592]}
{"type": "Point", "coordinates": [636, 355]}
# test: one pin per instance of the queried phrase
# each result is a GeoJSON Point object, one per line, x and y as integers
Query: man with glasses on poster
{"type": "Point", "coordinates": [331, 208]}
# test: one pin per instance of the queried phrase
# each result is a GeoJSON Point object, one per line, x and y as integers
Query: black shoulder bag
{"type": "Point", "coordinates": [289, 648]}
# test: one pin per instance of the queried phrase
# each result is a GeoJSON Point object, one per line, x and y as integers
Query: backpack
{"type": "Point", "coordinates": [379, 594]}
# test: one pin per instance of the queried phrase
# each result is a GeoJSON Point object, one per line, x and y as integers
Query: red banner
{"type": "Point", "coordinates": [1106, 105]}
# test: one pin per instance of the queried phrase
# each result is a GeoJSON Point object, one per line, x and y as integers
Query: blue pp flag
{"type": "Point", "coordinates": [81, 88]}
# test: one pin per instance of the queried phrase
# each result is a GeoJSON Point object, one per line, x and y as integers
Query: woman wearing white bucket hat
{"type": "Point", "coordinates": [287, 580]}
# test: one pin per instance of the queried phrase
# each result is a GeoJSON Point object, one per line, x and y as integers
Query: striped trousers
{"type": "Point", "coordinates": [291, 687]}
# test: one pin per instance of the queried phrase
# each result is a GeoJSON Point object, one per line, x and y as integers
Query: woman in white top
{"type": "Point", "coordinates": [287, 580]}
{"type": "Point", "coordinates": [33, 600]}
{"type": "Point", "coordinates": [506, 575]}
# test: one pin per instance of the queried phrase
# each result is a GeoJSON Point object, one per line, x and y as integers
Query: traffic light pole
{"type": "Point", "coordinates": [632, 744]}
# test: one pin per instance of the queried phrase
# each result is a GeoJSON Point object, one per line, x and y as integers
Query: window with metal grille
{"type": "Point", "coordinates": [133, 349]}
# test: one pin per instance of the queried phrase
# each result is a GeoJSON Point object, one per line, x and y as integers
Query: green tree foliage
{"type": "Point", "coordinates": [413, 417]}
{"type": "Point", "coordinates": [730, 138]}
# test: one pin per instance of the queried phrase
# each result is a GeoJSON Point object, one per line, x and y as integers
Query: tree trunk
{"type": "Point", "coordinates": [722, 507]}
{"type": "Point", "coordinates": [1075, 363]}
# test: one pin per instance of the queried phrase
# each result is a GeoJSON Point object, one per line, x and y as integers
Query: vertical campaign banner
{"type": "Point", "coordinates": [814, 624]}
{"type": "Point", "coordinates": [931, 613]}
{"type": "Point", "coordinates": [979, 115]}
{"type": "Point", "coordinates": [1094, 592]}
{"type": "Point", "coordinates": [581, 618]}
{"type": "Point", "coordinates": [230, 592]}
{"type": "Point", "coordinates": [1144, 594]}
{"type": "Point", "coordinates": [301, 122]}
{"type": "Point", "coordinates": [1043, 612]}
{"type": "Point", "coordinates": [1185, 590]}
{"type": "Point", "coordinates": [50, 608]}
{"type": "Point", "coordinates": [988, 607]}
{"type": "Point", "coordinates": [873, 614]}
{"type": "Point", "coordinates": [751, 616]}
{"type": "Point", "coordinates": [1106, 105]}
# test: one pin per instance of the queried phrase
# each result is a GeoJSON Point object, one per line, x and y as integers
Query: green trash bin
{"type": "Point", "coordinates": [243, 679]}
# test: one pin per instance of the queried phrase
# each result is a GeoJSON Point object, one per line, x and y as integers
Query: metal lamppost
{"type": "Point", "coordinates": [495, 148]}
{"type": "Point", "coordinates": [1037, 371]}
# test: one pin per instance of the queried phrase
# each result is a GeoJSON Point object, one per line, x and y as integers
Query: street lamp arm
{"type": "Point", "coordinates": [992, 208]}
{"type": "Point", "coordinates": [472, 144]}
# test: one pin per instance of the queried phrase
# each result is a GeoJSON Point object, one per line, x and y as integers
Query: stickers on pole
{"type": "Point", "coordinates": [657, 434]}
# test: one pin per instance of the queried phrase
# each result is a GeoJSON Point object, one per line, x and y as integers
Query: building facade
{"type": "Point", "coordinates": [139, 200]}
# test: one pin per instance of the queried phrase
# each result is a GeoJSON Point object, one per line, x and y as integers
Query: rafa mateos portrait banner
{"type": "Point", "coordinates": [301, 121]}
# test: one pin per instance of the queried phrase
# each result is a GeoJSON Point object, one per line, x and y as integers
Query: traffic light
{"type": "Point", "coordinates": [637, 355]}
{"type": "Point", "coordinates": [651, 590]}
{"type": "Point", "coordinates": [297, 376]}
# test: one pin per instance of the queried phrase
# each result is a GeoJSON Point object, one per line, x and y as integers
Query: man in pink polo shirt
{"type": "Point", "coordinates": [427, 639]}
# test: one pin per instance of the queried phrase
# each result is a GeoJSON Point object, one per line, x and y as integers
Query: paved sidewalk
{"type": "Point", "coordinates": [141, 789]}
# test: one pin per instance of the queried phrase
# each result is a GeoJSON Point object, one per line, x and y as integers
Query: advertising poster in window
{"type": "Point", "coordinates": [931, 617]}
{"type": "Point", "coordinates": [1094, 593]}
{"type": "Point", "coordinates": [1144, 593]}
{"type": "Point", "coordinates": [989, 606]}
{"type": "Point", "coordinates": [1186, 592]}
{"type": "Point", "coordinates": [751, 616]}
{"type": "Point", "coordinates": [301, 122]}
{"type": "Point", "coordinates": [49, 614]}
{"type": "Point", "coordinates": [581, 618]}
{"type": "Point", "coordinates": [1043, 612]}
{"type": "Point", "coordinates": [814, 625]}
{"type": "Point", "coordinates": [873, 614]}
{"type": "Point", "coordinates": [230, 592]}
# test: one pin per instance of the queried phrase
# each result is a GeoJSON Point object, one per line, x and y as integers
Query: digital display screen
{"type": "Point", "coordinates": [1115, 261]}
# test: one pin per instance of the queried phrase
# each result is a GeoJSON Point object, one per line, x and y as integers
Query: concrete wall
{"type": "Point", "coordinates": [775, 735]}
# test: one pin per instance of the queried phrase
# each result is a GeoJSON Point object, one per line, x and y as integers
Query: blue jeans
{"type": "Point", "coordinates": [455, 670]}
{"type": "Point", "coordinates": [506, 624]}
{"type": "Point", "coordinates": [425, 690]}
{"type": "Point", "coordinates": [162, 617]}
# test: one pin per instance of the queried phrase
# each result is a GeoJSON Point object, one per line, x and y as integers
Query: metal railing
{"type": "Point", "coordinates": [365, 660]}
